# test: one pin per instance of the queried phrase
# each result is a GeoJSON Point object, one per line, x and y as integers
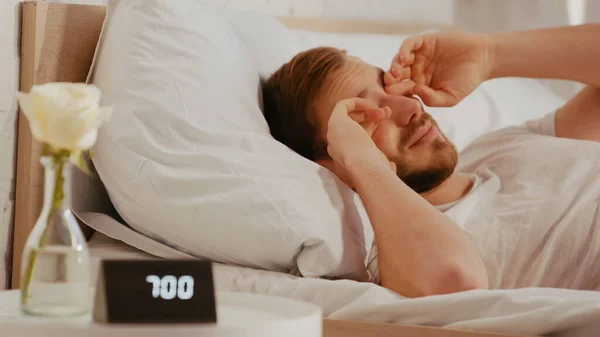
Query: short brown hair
{"type": "Point", "coordinates": [289, 96]}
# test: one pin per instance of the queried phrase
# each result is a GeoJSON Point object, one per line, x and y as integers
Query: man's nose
{"type": "Point", "coordinates": [404, 109]}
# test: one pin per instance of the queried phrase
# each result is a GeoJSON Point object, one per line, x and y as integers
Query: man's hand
{"type": "Point", "coordinates": [444, 67]}
{"type": "Point", "coordinates": [349, 132]}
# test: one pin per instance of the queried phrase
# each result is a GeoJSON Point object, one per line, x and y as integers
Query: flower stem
{"type": "Point", "coordinates": [28, 273]}
{"type": "Point", "coordinates": [57, 197]}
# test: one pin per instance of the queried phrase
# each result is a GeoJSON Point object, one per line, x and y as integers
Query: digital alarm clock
{"type": "Point", "coordinates": [155, 291]}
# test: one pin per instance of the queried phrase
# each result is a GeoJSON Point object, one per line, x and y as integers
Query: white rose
{"type": "Point", "coordinates": [65, 115]}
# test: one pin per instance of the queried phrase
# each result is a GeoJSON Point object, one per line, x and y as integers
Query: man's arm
{"type": "Point", "coordinates": [568, 53]}
{"type": "Point", "coordinates": [421, 252]}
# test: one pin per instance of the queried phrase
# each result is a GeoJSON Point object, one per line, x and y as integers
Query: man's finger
{"type": "Point", "coordinates": [352, 104]}
{"type": "Point", "coordinates": [401, 62]}
{"type": "Point", "coordinates": [378, 114]}
{"type": "Point", "coordinates": [401, 88]}
{"type": "Point", "coordinates": [388, 78]}
{"type": "Point", "coordinates": [371, 115]}
{"type": "Point", "coordinates": [418, 73]}
{"type": "Point", "coordinates": [347, 106]}
{"type": "Point", "coordinates": [370, 127]}
{"type": "Point", "coordinates": [408, 47]}
{"type": "Point", "coordinates": [407, 60]}
{"type": "Point", "coordinates": [396, 74]}
{"type": "Point", "coordinates": [435, 98]}
{"type": "Point", "coordinates": [405, 73]}
{"type": "Point", "coordinates": [406, 54]}
{"type": "Point", "coordinates": [358, 116]}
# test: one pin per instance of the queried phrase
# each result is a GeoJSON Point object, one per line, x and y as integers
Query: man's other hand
{"type": "Point", "coordinates": [444, 67]}
{"type": "Point", "coordinates": [350, 128]}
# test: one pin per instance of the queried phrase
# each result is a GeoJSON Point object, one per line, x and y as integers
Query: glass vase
{"type": "Point", "coordinates": [55, 270]}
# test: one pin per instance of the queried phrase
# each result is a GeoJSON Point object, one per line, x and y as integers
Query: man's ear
{"type": "Point", "coordinates": [330, 165]}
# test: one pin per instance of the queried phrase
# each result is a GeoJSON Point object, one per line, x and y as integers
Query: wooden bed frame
{"type": "Point", "coordinates": [58, 42]}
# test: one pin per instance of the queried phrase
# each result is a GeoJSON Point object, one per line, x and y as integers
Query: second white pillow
{"type": "Point", "coordinates": [187, 158]}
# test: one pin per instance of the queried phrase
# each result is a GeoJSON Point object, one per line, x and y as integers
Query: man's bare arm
{"type": "Point", "coordinates": [580, 117]}
{"type": "Point", "coordinates": [569, 53]}
{"type": "Point", "coordinates": [421, 251]}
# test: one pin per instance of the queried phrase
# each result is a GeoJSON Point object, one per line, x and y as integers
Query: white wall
{"type": "Point", "coordinates": [388, 10]}
{"type": "Point", "coordinates": [490, 16]}
{"type": "Point", "coordinates": [593, 11]}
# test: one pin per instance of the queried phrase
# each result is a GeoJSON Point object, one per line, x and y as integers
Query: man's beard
{"type": "Point", "coordinates": [440, 167]}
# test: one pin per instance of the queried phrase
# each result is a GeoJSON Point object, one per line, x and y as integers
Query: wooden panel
{"type": "Point", "coordinates": [57, 45]}
{"type": "Point", "coordinates": [359, 26]}
{"type": "Point", "coordinates": [29, 179]}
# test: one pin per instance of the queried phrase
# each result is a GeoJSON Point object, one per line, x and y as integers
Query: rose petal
{"type": "Point", "coordinates": [65, 115]}
{"type": "Point", "coordinates": [24, 101]}
{"type": "Point", "coordinates": [88, 140]}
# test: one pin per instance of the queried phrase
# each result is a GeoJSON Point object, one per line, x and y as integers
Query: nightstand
{"type": "Point", "coordinates": [239, 314]}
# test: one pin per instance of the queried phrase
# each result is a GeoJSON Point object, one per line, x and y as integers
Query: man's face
{"type": "Point", "coordinates": [410, 137]}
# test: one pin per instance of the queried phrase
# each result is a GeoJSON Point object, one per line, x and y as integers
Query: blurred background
{"type": "Point", "coordinates": [472, 15]}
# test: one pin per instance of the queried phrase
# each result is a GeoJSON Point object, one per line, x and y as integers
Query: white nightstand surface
{"type": "Point", "coordinates": [238, 315]}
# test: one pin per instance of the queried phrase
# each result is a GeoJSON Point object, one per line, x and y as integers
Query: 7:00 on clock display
{"type": "Point", "coordinates": [168, 287]}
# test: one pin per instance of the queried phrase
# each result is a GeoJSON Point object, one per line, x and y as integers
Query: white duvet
{"type": "Point", "coordinates": [533, 311]}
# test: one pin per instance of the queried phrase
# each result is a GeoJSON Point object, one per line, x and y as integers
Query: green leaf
{"type": "Point", "coordinates": [78, 159]}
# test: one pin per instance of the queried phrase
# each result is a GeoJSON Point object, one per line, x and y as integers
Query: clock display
{"type": "Point", "coordinates": [168, 287]}
{"type": "Point", "coordinates": [157, 291]}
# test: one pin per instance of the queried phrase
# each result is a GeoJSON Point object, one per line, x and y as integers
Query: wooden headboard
{"type": "Point", "coordinates": [58, 42]}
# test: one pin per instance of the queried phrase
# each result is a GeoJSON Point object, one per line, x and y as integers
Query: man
{"type": "Point", "coordinates": [518, 208]}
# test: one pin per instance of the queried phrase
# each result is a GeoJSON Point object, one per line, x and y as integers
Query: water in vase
{"type": "Point", "coordinates": [59, 282]}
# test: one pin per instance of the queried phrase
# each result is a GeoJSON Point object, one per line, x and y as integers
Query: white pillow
{"type": "Point", "coordinates": [187, 158]}
{"type": "Point", "coordinates": [493, 105]}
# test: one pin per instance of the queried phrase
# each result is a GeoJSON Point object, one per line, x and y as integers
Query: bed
{"type": "Point", "coordinates": [58, 44]}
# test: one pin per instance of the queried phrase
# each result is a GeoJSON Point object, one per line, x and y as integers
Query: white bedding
{"type": "Point", "coordinates": [534, 311]}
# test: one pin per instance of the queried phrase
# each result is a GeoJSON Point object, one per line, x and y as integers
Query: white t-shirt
{"type": "Point", "coordinates": [533, 209]}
